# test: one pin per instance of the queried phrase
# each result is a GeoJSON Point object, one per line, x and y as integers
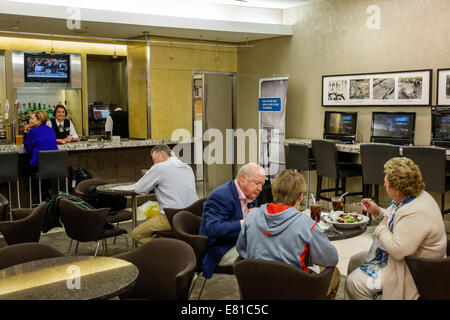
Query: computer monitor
{"type": "Point", "coordinates": [440, 128]}
{"type": "Point", "coordinates": [393, 127]}
{"type": "Point", "coordinates": [340, 125]}
{"type": "Point", "coordinates": [100, 112]}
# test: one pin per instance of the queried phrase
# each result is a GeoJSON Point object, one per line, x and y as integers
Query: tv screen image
{"type": "Point", "coordinates": [42, 67]}
{"type": "Point", "coordinates": [441, 126]}
{"type": "Point", "coordinates": [392, 126]}
{"type": "Point", "coordinates": [340, 125]}
{"type": "Point", "coordinates": [100, 112]}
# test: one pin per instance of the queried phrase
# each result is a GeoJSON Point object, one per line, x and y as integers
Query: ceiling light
{"type": "Point", "coordinates": [114, 56]}
{"type": "Point", "coordinates": [52, 50]}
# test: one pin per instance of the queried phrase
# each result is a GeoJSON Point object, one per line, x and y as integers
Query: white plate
{"type": "Point", "coordinates": [343, 225]}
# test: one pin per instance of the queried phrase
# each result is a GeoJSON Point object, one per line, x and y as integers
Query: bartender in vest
{"type": "Point", "coordinates": [64, 129]}
{"type": "Point", "coordinates": [117, 122]}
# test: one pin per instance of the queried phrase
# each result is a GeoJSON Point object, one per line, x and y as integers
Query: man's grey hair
{"type": "Point", "coordinates": [246, 169]}
{"type": "Point", "coordinates": [161, 148]}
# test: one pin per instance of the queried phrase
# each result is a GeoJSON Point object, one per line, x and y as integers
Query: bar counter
{"type": "Point", "coordinates": [97, 145]}
{"type": "Point", "coordinates": [115, 162]}
{"type": "Point", "coordinates": [341, 147]}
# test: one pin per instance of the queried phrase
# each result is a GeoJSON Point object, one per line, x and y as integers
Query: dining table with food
{"type": "Point", "coordinates": [338, 224]}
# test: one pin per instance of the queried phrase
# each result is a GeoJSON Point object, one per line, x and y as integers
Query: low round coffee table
{"type": "Point", "coordinates": [67, 278]}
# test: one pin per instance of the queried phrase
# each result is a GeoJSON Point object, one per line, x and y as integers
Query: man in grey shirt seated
{"type": "Point", "coordinates": [173, 182]}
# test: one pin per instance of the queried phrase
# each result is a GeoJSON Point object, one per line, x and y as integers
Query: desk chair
{"type": "Point", "coordinates": [186, 226]}
{"type": "Point", "coordinates": [120, 216]}
{"type": "Point", "coordinates": [273, 280]}
{"type": "Point", "coordinates": [195, 208]}
{"type": "Point", "coordinates": [9, 171]}
{"type": "Point", "coordinates": [432, 163]}
{"type": "Point", "coordinates": [166, 267]}
{"type": "Point", "coordinates": [298, 158]}
{"type": "Point", "coordinates": [26, 225]}
{"type": "Point", "coordinates": [25, 252]}
{"type": "Point", "coordinates": [328, 165]}
{"type": "Point", "coordinates": [373, 158]}
{"type": "Point", "coordinates": [85, 225]}
{"type": "Point", "coordinates": [52, 164]}
{"type": "Point", "coordinates": [4, 208]}
{"type": "Point", "coordinates": [431, 276]}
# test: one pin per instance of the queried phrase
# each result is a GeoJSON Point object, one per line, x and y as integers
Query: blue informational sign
{"type": "Point", "coordinates": [269, 104]}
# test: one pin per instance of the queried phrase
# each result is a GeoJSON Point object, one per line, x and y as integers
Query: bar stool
{"type": "Point", "coordinates": [327, 165]}
{"type": "Point", "coordinates": [52, 164]}
{"type": "Point", "coordinates": [432, 164]}
{"type": "Point", "coordinates": [298, 158]}
{"type": "Point", "coordinates": [373, 158]}
{"type": "Point", "coordinates": [9, 171]}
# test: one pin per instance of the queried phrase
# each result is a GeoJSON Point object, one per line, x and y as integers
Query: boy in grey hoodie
{"type": "Point", "coordinates": [279, 232]}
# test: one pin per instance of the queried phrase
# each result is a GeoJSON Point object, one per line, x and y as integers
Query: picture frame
{"type": "Point", "coordinates": [443, 87]}
{"type": "Point", "coordinates": [399, 88]}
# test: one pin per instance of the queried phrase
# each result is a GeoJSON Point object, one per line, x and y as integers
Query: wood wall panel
{"type": "Point", "coordinates": [137, 90]}
{"type": "Point", "coordinates": [171, 70]}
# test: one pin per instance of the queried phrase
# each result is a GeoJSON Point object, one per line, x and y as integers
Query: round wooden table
{"type": "Point", "coordinates": [67, 278]}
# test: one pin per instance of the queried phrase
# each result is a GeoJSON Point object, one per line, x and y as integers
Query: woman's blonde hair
{"type": "Point", "coordinates": [287, 186]}
{"type": "Point", "coordinates": [41, 115]}
{"type": "Point", "coordinates": [404, 175]}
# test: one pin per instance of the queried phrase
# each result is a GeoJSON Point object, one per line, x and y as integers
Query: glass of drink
{"type": "Point", "coordinates": [316, 209]}
{"type": "Point", "coordinates": [19, 140]}
{"type": "Point", "coordinates": [338, 204]}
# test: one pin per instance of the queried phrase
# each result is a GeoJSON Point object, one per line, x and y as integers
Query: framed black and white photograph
{"type": "Point", "coordinates": [443, 87]}
{"type": "Point", "coordinates": [401, 88]}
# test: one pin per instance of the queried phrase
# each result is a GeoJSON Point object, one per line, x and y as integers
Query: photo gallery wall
{"type": "Point", "coordinates": [405, 88]}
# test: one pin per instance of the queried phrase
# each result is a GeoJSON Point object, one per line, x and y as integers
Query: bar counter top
{"type": "Point", "coordinates": [343, 147]}
{"type": "Point", "coordinates": [97, 145]}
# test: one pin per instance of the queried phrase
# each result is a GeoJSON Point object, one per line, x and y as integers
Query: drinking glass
{"type": "Point", "coordinates": [337, 203]}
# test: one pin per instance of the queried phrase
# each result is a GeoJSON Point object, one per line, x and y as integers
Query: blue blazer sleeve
{"type": "Point", "coordinates": [222, 219]}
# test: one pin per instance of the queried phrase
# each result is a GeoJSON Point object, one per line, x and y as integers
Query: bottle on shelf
{"type": "Point", "coordinates": [34, 106]}
{"type": "Point", "coordinates": [29, 111]}
{"type": "Point", "coordinates": [2, 129]}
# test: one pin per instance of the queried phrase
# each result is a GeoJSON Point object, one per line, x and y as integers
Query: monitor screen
{"type": "Point", "coordinates": [393, 125]}
{"type": "Point", "coordinates": [440, 126]}
{"type": "Point", "coordinates": [340, 125]}
{"type": "Point", "coordinates": [100, 112]}
{"type": "Point", "coordinates": [43, 67]}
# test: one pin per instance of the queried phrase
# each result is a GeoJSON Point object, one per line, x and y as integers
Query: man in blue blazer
{"type": "Point", "coordinates": [224, 212]}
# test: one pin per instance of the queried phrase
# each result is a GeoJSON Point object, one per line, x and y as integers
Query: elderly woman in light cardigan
{"type": "Point", "coordinates": [411, 226]}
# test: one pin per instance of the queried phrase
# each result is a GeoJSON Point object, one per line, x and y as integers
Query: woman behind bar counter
{"type": "Point", "coordinates": [38, 137]}
{"type": "Point", "coordinates": [63, 128]}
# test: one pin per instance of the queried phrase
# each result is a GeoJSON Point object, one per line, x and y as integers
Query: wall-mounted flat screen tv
{"type": "Point", "coordinates": [440, 128]}
{"type": "Point", "coordinates": [340, 125]}
{"type": "Point", "coordinates": [393, 127]}
{"type": "Point", "coordinates": [43, 67]}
